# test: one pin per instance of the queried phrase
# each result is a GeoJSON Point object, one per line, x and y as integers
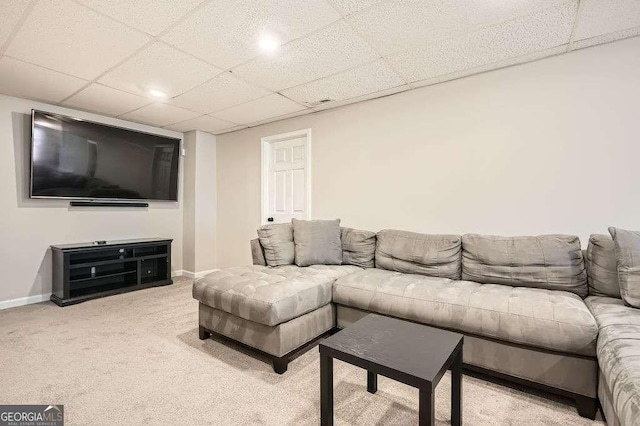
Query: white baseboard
{"type": "Point", "coordinates": [6, 304]}
{"type": "Point", "coordinates": [21, 301]}
{"type": "Point", "coordinates": [194, 275]}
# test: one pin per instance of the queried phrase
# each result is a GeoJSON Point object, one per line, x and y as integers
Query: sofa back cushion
{"type": "Point", "coordinates": [358, 247]}
{"type": "Point", "coordinates": [257, 253]}
{"type": "Point", "coordinates": [317, 242]}
{"type": "Point", "coordinates": [413, 253]}
{"type": "Point", "coordinates": [277, 241]}
{"type": "Point", "coordinates": [602, 268]}
{"type": "Point", "coordinates": [627, 248]}
{"type": "Point", "coordinates": [553, 262]}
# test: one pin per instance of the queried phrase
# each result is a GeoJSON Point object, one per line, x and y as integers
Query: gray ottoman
{"type": "Point", "coordinates": [276, 311]}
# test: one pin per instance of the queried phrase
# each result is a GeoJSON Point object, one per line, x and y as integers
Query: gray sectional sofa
{"type": "Point", "coordinates": [520, 301]}
{"type": "Point", "coordinates": [618, 348]}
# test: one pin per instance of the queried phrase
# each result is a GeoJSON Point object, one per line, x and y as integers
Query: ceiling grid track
{"type": "Point", "coordinates": [576, 24]}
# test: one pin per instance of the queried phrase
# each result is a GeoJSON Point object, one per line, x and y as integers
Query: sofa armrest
{"type": "Point", "coordinates": [257, 253]}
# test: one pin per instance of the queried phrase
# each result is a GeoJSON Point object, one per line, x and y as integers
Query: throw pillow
{"type": "Point", "coordinates": [627, 247]}
{"type": "Point", "coordinates": [277, 241]}
{"type": "Point", "coordinates": [317, 242]}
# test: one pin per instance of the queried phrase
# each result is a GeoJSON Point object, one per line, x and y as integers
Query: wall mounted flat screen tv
{"type": "Point", "coordinates": [78, 159]}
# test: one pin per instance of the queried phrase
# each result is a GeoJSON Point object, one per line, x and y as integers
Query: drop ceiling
{"type": "Point", "coordinates": [105, 56]}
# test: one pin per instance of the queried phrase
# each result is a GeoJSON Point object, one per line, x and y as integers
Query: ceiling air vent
{"type": "Point", "coordinates": [320, 102]}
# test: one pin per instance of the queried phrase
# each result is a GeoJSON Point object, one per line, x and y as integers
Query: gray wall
{"type": "Point", "coordinates": [28, 227]}
{"type": "Point", "coordinates": [545, 147]}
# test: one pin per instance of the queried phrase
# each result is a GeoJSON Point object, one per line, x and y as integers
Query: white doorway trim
{"type": "Point", "coordinates": [266, 158]}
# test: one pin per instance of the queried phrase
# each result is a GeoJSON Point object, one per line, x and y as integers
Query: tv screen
{"type": "Point", "coordinates": [78, 159]}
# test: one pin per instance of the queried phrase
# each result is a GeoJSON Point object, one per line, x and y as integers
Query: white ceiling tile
{"type": "Point", "coordinates": [206, 123]}
{"type": "Point", "coordinates": [10, 14]}
{"type": "Point", "coordinates": [68, 37]}
{"type": "Point", "coordinates": [320, 54]}
{"type": "Point", "coordinates": [539, 31]}
{"type": "Point", "coordinates": [492, 66]}
{"type": "Point", "coordinates": [347, 7]}
{"type": "Point", "coordinates": [598, 17]}
{"type": "Point", "coordinates": [405, 24]}
{"type": "Point", "coordinates": [159, 115]}
{"type": "Point", "coordinates": [226, 32]}
{"type": "Point", "coordinates": [222, 92]}
{"type": "Point", "coordinates": [105, 100]}
{"type": "Point", "coordinates": [259, 109]}
{"type": "Point", "coordinates": [29, 81]}
{"type": "Point", "coordinates": [160, 67]}
{"type": "Point", "coordinates": [151, 16]}
{"type": "Point", "coordinates": [368, 96]}
{"type": "Point", "coordinates": [368, 78]}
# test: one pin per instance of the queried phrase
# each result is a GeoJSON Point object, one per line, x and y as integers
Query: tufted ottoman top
{"type": "Point", "coordinates": [268, 295]}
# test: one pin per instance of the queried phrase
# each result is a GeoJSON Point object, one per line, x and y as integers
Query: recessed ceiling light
{"type": "Point", "coordinates": [157, 93]}
{"type": "Point", "coordinates": [268, 44]}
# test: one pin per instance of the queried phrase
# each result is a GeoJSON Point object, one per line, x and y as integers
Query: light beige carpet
{"type": "Point", "coordinates": [136, 359]}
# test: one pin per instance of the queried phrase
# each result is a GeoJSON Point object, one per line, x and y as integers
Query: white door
{"type": "Point", "coordinates": [286, 193]}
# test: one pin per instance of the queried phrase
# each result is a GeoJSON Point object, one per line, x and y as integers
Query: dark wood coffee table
{"type": "Point", "coordinates": [414, 354]}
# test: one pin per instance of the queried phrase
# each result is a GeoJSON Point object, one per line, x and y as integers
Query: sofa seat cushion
{"type": "Point", "coordinates": [619, 354]}
{"type": "Point", "coordinates": [267, 295]}
{"type": "Point", "coordinates": [554, 320]}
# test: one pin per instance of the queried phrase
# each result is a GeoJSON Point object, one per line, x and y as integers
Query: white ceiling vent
{"type": "Point", "coordinates": [320, 102]}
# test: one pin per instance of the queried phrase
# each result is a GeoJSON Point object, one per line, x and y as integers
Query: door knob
{"type": "Point", "coordinates": [270, 219]}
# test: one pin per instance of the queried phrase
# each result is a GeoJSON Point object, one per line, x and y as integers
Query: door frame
{"type": "Point", "coordinates": [266, 160]}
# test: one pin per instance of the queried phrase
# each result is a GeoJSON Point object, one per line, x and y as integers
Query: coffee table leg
{"type": "Point", "coordinates": [326, 390]}
{"type": "Point", "coordinates": [456, 391]}
{"type": "Point", "coordinates": [372, 382]}
{"type": "Point", "coordinates": [426, 408]}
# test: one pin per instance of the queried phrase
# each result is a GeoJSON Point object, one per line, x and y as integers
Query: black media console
{"type": "Point", "coordinates": [91, 270]}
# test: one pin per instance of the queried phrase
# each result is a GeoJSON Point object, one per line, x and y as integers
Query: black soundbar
{"type": "Point", "coordinates": [108, 204]}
